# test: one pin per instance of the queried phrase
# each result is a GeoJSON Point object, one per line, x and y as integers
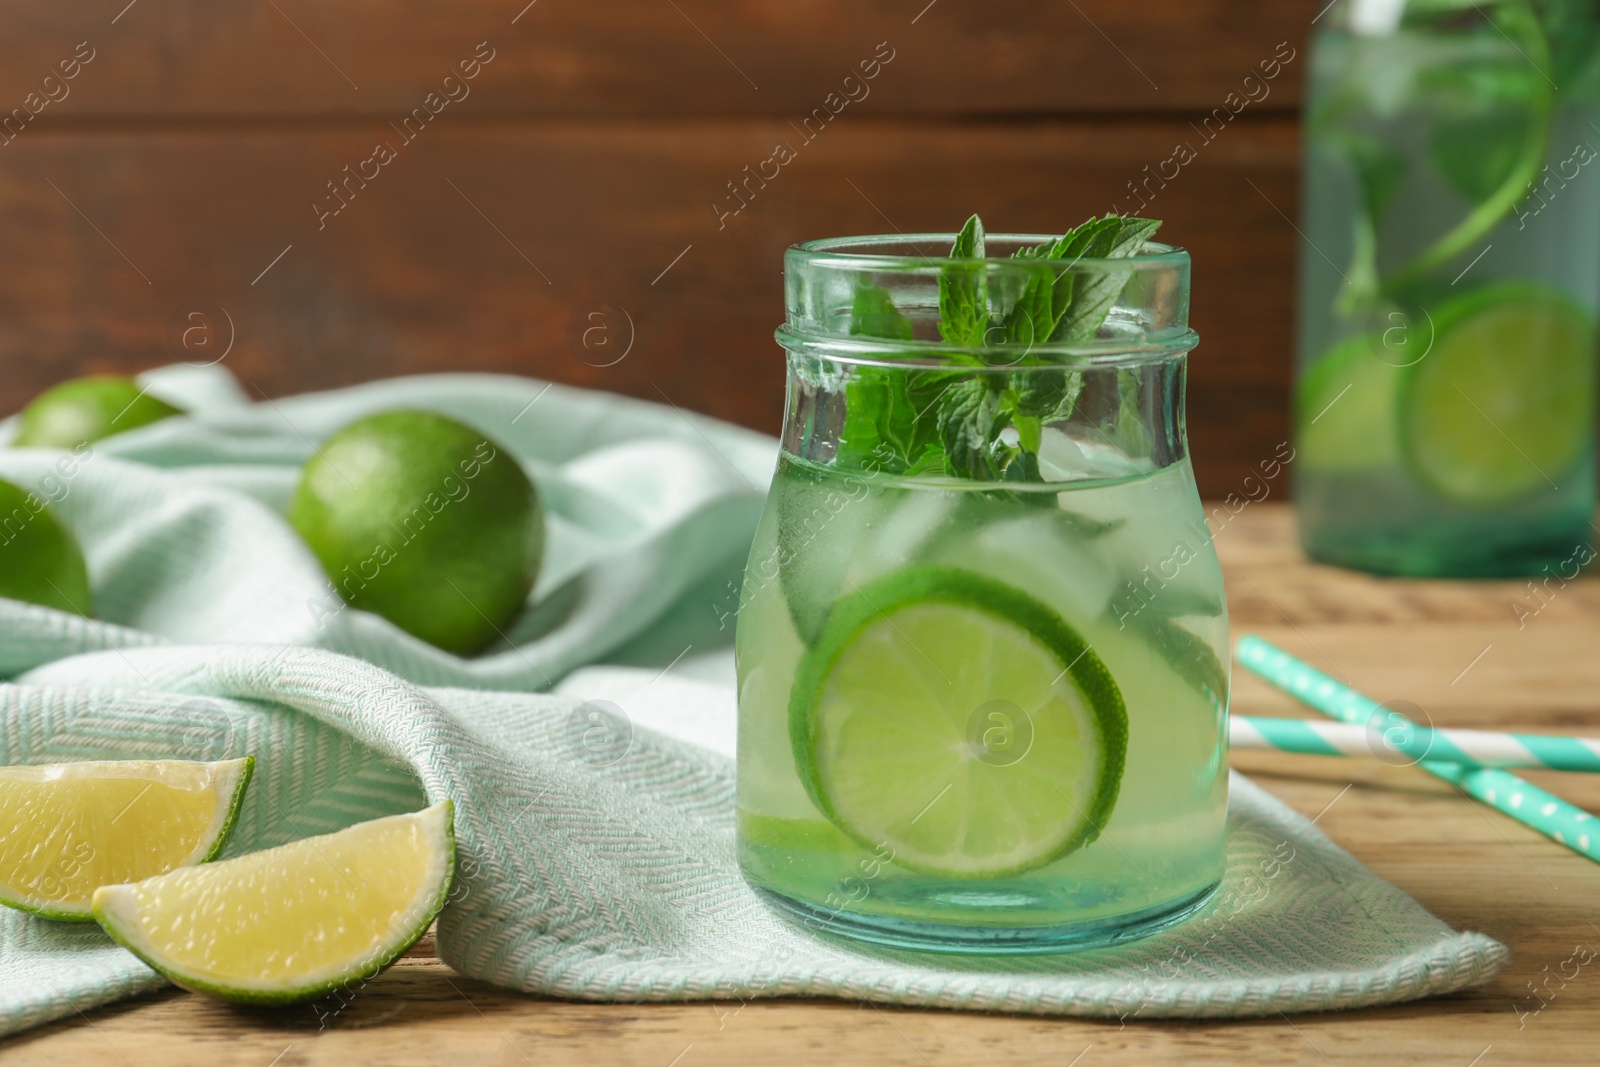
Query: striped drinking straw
{"type": "Point", "coordinates": [1547, 813]}
{"type": "Point", "coordinates": [1395, 736]}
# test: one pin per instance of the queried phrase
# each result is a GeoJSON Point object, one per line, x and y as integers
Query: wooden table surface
{"type": "Point", "coordinates": [1457, 651]}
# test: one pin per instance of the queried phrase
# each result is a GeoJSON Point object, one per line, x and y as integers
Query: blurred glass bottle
{"type": "Point", "coordinates": [1444, 407]}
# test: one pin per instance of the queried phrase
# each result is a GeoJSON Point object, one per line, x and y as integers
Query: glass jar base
{"type": "Point", "coordinates": [1446, 553]}
{"type": "Point", "coordinates": [978, 940]}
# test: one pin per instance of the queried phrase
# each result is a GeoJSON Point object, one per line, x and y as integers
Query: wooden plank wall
{"type": "Point", "coordinates": [573, 193]}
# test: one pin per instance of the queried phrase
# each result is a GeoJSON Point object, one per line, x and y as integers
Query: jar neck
{"type": "Point", "coordinates": [1015, 364]}
{"type": "Point", "coordinates": [1032, 423]}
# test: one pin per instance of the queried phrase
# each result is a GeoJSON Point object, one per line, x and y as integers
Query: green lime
{"type": "Point", "coordinates": [39, 560]}
{"type": "Point", "coordinates": [959, 723]}
{"type": "Point", "coordinates": [295, 922]}
{"type": "Point", "coordinates": [1345, 408]}
{"type": "Point", "coordinates": [1503, 402]}
{"type": "Point", "coordinates": [87, 409]}
{"type": "Point", "coordinates": [426, 522]}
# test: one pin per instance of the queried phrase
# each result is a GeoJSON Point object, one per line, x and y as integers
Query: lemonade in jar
{"type": "Point", "coordinates": [982, 636]}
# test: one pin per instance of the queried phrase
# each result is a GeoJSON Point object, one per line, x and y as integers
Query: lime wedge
{"type": "Point", "coordinates": [1503, 404]}
{"type": "Point", "coordinates": [958, 724]}
{"type": "Point", "coordinates": [69, 828]}
{"type": "Point", "coordinates": [294, 922]}
{"type": "Point", "coordinates": [1345, 408]}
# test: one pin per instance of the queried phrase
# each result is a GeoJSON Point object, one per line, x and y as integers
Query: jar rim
{"type": "Point", "coordinates": [844, 252]}
{"type": "Point", "coordinates": [931, 355]}
{"type": "Point", "coordinates": [825, 277]}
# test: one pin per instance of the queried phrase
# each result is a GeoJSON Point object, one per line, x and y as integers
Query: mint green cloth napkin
{"type": "Point", "coordinates": [616, 879]}
{"type": "Point", "coordinates": [601, 879]}
{"type": "Point", "coordinates": [180, 522]}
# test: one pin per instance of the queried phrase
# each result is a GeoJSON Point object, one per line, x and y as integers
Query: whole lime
{"type": "Point", "coordinates": [39, 560]}
{"type": "Point", "coordinates": [86, 409]}
{"type": "Point", "coordinates": [426, 522]}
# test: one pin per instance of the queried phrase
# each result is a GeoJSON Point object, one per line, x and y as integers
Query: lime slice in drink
{"type": "Point", "coordinates": [1503, 403]}
{"type": "Point", "coordinates": [1345, 408]}
{"type": "Point", "coordinates": [958, 724]}
{"type": "Point", "coordinates": [294, 922]}
{"type": "Point", "coordinates": [69, 828]}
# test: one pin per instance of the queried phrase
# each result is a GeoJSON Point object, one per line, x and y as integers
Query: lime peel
{"type": "Point", "coordinates": [425, 521]}
{"type": "Point", "coordinates": [40, 560]}
{"type": "Point", "coordinates": [75, 412]}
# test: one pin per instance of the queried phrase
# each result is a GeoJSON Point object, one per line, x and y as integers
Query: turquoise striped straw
{"type": "Point", "coordinates": [1397, 736]}
{"type": "Point", "coordinates": [1566, 824]}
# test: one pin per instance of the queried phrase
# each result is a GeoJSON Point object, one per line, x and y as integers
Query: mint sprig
{"type": "Point", "coordinates": [1490, 135]}
{"type": "Point", "coordinates": [955, 422]}
{"type": "Point", "coordinates": [887, 421]}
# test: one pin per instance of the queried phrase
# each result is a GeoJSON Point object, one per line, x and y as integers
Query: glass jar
{"type": "Point", "coordinates": [982, 638]}
{"type": "Point", "coordinates": [1448, 284]}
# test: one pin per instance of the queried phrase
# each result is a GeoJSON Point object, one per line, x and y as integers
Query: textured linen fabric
{"type": "Point", "coordinates": [601, 879]}
{"type": "Point", "coordinates": [181, 524]}
{"type": "Point", "coordinates": [617, 880]}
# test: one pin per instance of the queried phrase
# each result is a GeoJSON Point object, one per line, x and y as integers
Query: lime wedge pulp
{"type": "Point", "coordinates": [1503, 404]}
{"type": "Point", "coordinates": [294, 922]}
{"type": "Point", "coordinates": [69, 828]}
{"type": "Point", "coordinates": [958, 724]}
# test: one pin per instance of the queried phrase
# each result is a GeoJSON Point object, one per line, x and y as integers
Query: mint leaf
{"type": "Point", "coordinates": [970, 418]}
{"type": "Point", "coordinates": [1054, 305]}
{"type": "Point", "coordinates": [874, 315]}
{"type": "Point", "coordinates": [1059, 305]}
{"type": "Point", "coordinates": [1133, 429]}
{"type": "Point", "coordinates": [964, 290]}
{"type": "Point", "coordinates": [1047, 395]}
{"type": "Point", "coordinates": [887, 422]}
{"type": "Point", "coordinates": [1091, 297]}
{"type": "Point", "coordinates": [1477, 153]}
